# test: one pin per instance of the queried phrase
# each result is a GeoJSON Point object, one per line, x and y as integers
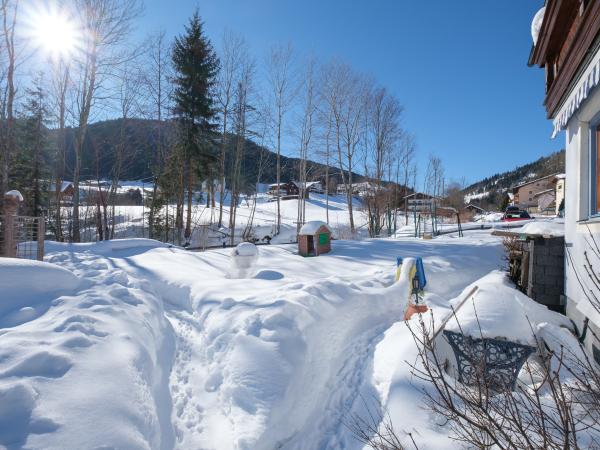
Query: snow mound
{"type": "Point", "coordinates": [25, 283]}
{"type": "Point", "coordinates": [500, 310]}
{"type": "Point", "coordinates": [243, 260]}
{"type": "Point", "coordinates": [554, 228]}
{"type": "Point", "coordinates": [104, 247]}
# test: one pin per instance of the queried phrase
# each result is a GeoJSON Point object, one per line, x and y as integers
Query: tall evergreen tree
{"type": "Point", "coordinates": [32, 160]}
{"type": "Point", "coordinates": [196, 66]}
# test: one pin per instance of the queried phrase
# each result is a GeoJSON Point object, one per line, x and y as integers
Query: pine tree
{"type": "Point", "coordinates": [196, 66]}
{"type": "Point", "coordinates": [32, 159]}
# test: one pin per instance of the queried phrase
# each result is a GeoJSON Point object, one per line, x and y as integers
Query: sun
{"type": "Point", "coordinates": [54, 31]}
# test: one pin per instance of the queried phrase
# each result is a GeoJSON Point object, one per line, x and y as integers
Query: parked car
{"type": "Point", "coordinates": [512, 215]}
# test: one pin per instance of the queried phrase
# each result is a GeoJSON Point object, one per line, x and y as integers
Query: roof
{"type": "Point", "coordinates": [547, 191]}
{"type": "Point", "coordinates": [534, 181]}
{"type": "Point", "coordinates": [418, 193]}
{"type": "Point", "coordinates": [471, 205]}
{"type": "Point", "coordinates": [307, 184]}
{"type": "Point", "coordinates": [310, 228]}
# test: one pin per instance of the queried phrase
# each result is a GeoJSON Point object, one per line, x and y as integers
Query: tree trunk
{"type": "Point", "coordinates": [188, 221]}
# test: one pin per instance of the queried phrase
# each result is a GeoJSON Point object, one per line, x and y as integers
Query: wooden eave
{"type": "Point", "coordinates": [576, 55]}
{"type": "Point", "coordinates": [540, 50]}
{"type": "Point", "coordinates": [558, 19]}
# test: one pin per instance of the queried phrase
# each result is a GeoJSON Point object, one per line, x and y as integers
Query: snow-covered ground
{"type": "Point", "coordinates": [136, 344]}
{"type": "Point", "coordinates": [132, 221]}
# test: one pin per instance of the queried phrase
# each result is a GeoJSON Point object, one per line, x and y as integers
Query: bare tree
{"type": "Point", "coordinates": [9, 9]}
{"type": "Point", "coordinates": [129, 98]}
{"type": "Point", "coordinates": [282, 91]}
{"type": "Point", "coordinates": [156, 84]}
{"type": "Point", "coordinates": [242, 109]}
{"type": "Point", "coordinates": [306, 135]}
{"type": "Point", "coordinates": [106, 25]}
{"type": "Point", "coordinates": [59, 88]}
{"type": "Point", "coordinates": [407, 168]}
{"type": "Point", "coordinates": [233, 51]}
{"type": "Point", "coordinates": [382, 133]}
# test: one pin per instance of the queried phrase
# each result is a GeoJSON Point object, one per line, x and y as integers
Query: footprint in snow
{"type": "Point", "coordinates": [213, 382]}
{"type": "Point", "coordinates": [81, 323]}
{"type": "Point", "coordinates": [17, 402]}
{"type": "Point", "coordinates": [42, 364]}
{"type": "Point", "coordinates": [77, 342]}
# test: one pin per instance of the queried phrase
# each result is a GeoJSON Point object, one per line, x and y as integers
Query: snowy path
{"type": "Point", "coordinates": [158, 349]}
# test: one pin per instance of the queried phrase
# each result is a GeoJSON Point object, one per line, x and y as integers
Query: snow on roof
{"type": "Point", "coordinates": [471, 205]}
{"type": "Point", "coordinates": [536, 24]}
{"type": "Point", "coordinates": [553, 228]}
{"type": "Point", "coordinates": [476, 196]}
{"type": "Point", "coordinates": [560, 176]}
{"type": "Point", "coordinates": [14, 194]}
{"type": "Point", "coordinates": [533, 181]}
{"type": "Point", "coordinates": [312, 227]}
{"type": "Point", "coordinates": [537, 194]}
{"type": "Point", "coordinates": [307, 184]}
{"type": "Point", "coordinates": [418, 193]}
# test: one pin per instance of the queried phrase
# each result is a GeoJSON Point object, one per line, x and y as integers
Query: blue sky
{"type": "Point", "coordinates": [459, 67]}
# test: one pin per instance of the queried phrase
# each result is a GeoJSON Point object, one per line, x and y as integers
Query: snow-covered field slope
{"type": "Point", "coordinates": [132, 221]}
{"type": "Point", "coordinates": [155, 347]}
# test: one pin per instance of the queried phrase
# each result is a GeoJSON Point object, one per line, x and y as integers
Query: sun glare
{"type": "Point", "coordinates": [54, 32]}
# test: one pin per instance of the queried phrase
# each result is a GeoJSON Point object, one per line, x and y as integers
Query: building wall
{"type": "Point", "coordinates": [526, 194]}
{"type": "Point", "coordinates": [577, 224]}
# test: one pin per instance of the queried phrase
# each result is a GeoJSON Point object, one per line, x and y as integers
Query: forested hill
{"type": "Point", "coordinates": [139, 140]}
{"type": "Point", "coordinates": [501, 182]}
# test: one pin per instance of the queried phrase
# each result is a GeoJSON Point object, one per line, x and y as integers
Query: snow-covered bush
{"type": "Point", "coordinates": [554, 405]}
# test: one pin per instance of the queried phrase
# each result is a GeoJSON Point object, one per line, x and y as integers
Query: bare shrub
{"type": "Point", "coordinates": [555, 409]}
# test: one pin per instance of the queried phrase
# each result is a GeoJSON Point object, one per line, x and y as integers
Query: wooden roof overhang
{"type": "Point", "coordinates": [557, 28]}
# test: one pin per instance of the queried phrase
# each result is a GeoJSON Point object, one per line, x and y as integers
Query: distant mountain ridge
{"type": "Point", "coordinates": [492, 189]}
{"type": "Point", "coordinates": [141, 143]}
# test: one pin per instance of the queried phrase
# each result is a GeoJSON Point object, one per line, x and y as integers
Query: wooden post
{"type": "Point", "coordinates": [12, 199]}
{"type": "Point", "coordinates": [41, 235]}
{"type": "Point", "coordinates": [10, 246]}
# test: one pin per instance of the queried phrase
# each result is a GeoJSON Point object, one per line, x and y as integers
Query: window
{"type": "Point", "coordinates": [594, 167]}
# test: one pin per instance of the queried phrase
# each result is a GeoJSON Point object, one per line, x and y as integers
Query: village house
{"type": "Point", "coordinates": [419, 201]}
{"type": "Point", "coordinates": [559, 189]}
{"type": "Point", "coordinates": [566, 35]}
{"type": "Point", "coordinates": [359, 189]}
{"type": "Point", "coordinates": [67, 191]}
{"type": "Point", "coordinates": [525, 193]}
{"type": "Point", "coordinates": [474, 209]}
{"type": "Point", "coordinates": [283, 189]}
{"type": "Point", "coordinates": [305, 188]}
{"type": "Point", "coordinates": [546, 201]}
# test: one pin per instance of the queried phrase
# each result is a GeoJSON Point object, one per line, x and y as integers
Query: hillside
{"type": "Point", "coordinates": [140, 145]}
{"type": "Point", "coordinates": [490, 190]}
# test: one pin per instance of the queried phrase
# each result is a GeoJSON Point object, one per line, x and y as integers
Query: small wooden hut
{"type": "Point", "coordinates": [314, 239]}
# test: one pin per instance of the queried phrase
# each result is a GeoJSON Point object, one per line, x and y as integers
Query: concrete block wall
{"type": "Point", "coordinates": [546, 279]}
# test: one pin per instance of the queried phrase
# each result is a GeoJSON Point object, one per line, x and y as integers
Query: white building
{"type": "Point", "coordinates": [567, 44]}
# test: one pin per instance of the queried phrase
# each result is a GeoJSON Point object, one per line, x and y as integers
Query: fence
{"type": "Point", "coordinates": [22, 237]}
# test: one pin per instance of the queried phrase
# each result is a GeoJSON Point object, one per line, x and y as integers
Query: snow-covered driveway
{"type": "Point", "coordinates": [157, 348]}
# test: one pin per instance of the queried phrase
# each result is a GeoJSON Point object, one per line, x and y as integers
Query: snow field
{"type": "Point", "coordinates": [155, 347]}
